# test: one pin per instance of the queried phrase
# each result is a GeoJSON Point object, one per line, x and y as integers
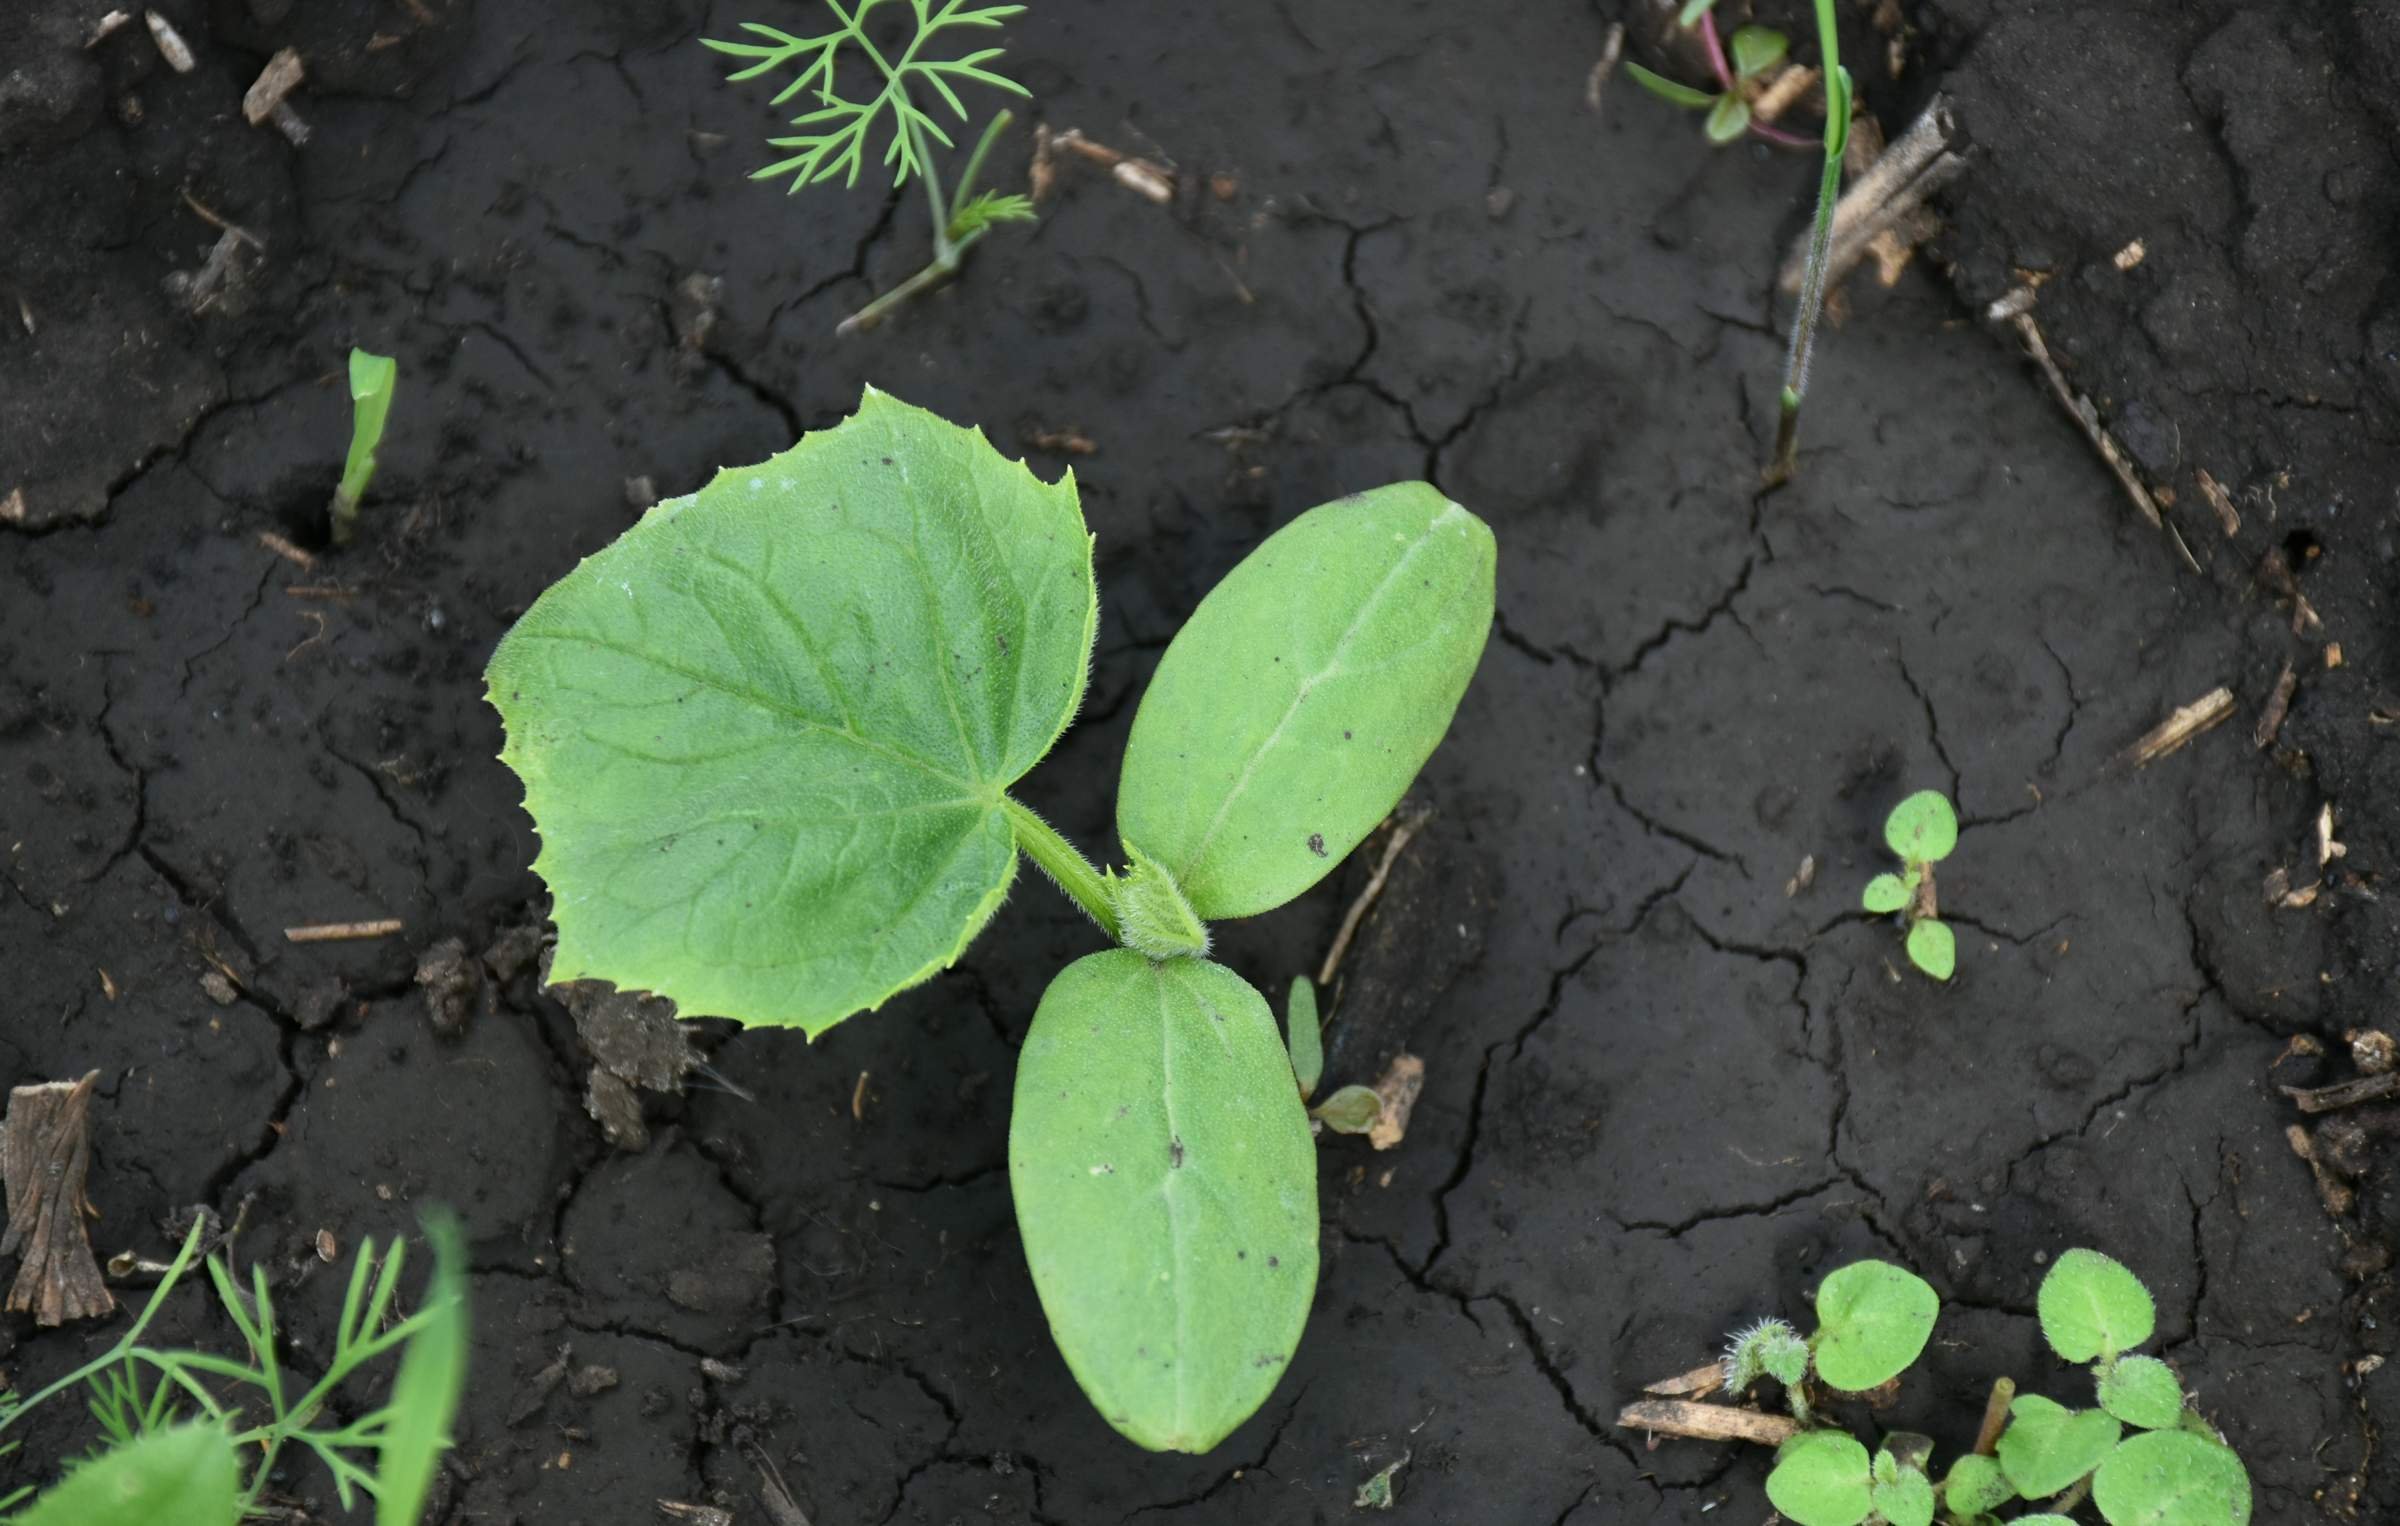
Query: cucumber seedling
{"type": "Point", "coordinates": [2142, 1457]}
{"type": "Point", "coordinates": [1754, 51]}
{"type": "Point", "coordinates": [769, 737]}
{"type": "Point", "coordinates": [833, 138]}
{"type": "Point", "coordinates": [195, 1438]}
{"type": "Point", "coordinates": [373, 379]}
{"type": "Point", "coordinates": [1922, 830]}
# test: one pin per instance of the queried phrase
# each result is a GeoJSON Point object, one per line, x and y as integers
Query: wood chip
{"type": "Point", "coordinates": [45, 1155]}
{"type": "Point", "coordinates": [2342, 1094]}
{"type": "Point", "coordinates": [278, 79]}
{"type": "Point", "coordinates": [1399, 1088]}
{"type": "Point", "coordinates": [171, 45]}
{"type": "Point", "coordinates": [1612, 48]}
{"type": "Point", "coordinates": [1698, 1383]}
{"type": "Point", "coordinates": [2187, 722]}
{"type": "Point", "coordinates": [2087, 418]}
{"type": "Point", "coordinates": [2130, 256]}
{"type": "Point", "coordinates": [343, 932]}
{"type": "Point", "coordinates": [2221, 501]}
{"type": "Point", "coordinates": [2279, 700]}
{"type": "Point", "coordinates": [1707, 1422]}
{"type": "Point", "coordinates": [12, 508]}
{"type": "Point", "coordinates": [2327, 848]}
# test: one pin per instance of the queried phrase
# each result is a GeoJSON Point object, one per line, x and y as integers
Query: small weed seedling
{"type": "Point", "coordinates": [2141, 1458]}
{"type": "Point", "coordinates": [195, 1438]}
{"type": "Point", "coordinates": [832, 143]}
{"type": "Point", "coordinates": [1922, 830]}
{"type": "Point", "coordinates": [769, 738]}
{"type": "Point", "coordinates": [1756, 50]}
{"type": "Point", "coordinates": [372, 379]}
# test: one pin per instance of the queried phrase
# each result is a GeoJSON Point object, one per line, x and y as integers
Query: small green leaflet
{"type": "Point", "coordinates": [186, 1474]}
{"type": "Point", "coordinates": [1728, 118]}
{"type": "Point", "coordinates": [373, 379]}
{"type": "Point", "coordinates": [1975, 1487]}
{"type": "Point", "coordinates": [2172, 1478]}
{"type": "Point", "coordinates": [1922, 829]}
{"type": "Point", "coordinates": [1757, 49]}
{"type": "Point", "coordinates": [1668, 90]}
{"type": "Point", "coordinates": [1165, 1183]}
{"type": "Point", "coordinates": [1352, 1110]}
{"type": "Point", "coordinates": [1305, 1036]}
{"type": "Point", "coordinates": [2142, 1391]}
{"type": "Point", "coordinates": [766, 733]}
{"type": "Point", "coordinates": [2092, 1307]}
{"type": "Point", "coordinates": [1292, 711]}
{"type": "Point", "coordinates": [1873, 1319]}
{"type": "Point", "coordinates": [426, 1390]}
{"type": "Point", "coordinates": [2048, 1446]}
{"type": "Point", "coordinates": [1933, 948]}
{"type": "Point", "coordinates": [1821, 1478]}
{"type": "Point", "coordinates": [1885, 893]}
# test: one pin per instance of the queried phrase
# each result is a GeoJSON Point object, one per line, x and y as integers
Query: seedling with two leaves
{"type": "Point", "coordinates": [1922, 830]}
{"type": "Point", "coordinates": [1740, 69]}
{"type": "Point", "coordinates": [2141, 1458]}
{"type": "Point", "coordinates": [905, 72]}
{"type": "Point", "coordinates": [770, 735]}
{"type": "Point", "coordinates": [195, 1438]}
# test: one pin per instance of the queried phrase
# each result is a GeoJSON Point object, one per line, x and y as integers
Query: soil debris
{"type": "Point", "coordinates": [453, 986]}
{"type": "Point", "coordinates": [635, 1041]}
{"type": "Point", "coordinates": [344, 932]}
{"type": "Point", "coordinates": [1707, 1422]}
{"type": "Point", "coordinates": [45, 1155]}
{"type": "Point", "coordinates": [1398, 1089]}
{"type": "Point", "coordinates": [2187, 722]}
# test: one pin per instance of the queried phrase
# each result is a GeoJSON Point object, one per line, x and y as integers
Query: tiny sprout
{"type": "Point", "coordinates": [1768, 1349]}
{"type": "Point", "coordinates": [1921, 831]}
{"type": "Point", "coordinates": [372, 379]}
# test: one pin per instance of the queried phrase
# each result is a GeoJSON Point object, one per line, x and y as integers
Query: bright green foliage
{"type": "Point", "coordinates": [1669, 90]}
{"type": "Point", "coordinates": [1933, 948]}
{"type": "Point", "coordinates": [2047, 1446]}
{"type": "Point", "coordinates": [1922, 829]}
{"type": "Point", "coordinates": [1902, 1494]}
{"type": "Point", "coordinates": [2142, 1391]}
{"type": "Point", "coordinates": [1165, 1185]}
{"type": "Point", "coordinates": [1873, 1319]}
{"type": "Point", "coordinates": [766, 733]}
{"type": "Point", "coordinates": [1289, 715]}
{"type": "Point", "coordinates": [2044, 1519]}
{"type": "Point", "coordinates": [1756, 49]}
{"type": "Point", "coordinates": [373, 378]}
{"type": "Point", "coordinates": [1822, 1478]}
{"type": "Point", "coordinates": [1728, 118]}
{"type": "Point", "coordinates": [1351, 1110]}
{"type": "Point", "coordinates": [1305, 1036]}
{"type": "Point", "coordinates": [1153, 917]}
{"type": "Point", "coordinates": [1770, 1349]}
{"type": "Point", "coordinates": [1885, 894]}
{"type": "Point", "coordinates": [988, 209]}
{"type": "Point", "coordinates": [2172, 1478]}
{"type": "Point", "coordinates": [835, 132]}
{"type": "Point", "coordinates": [1975, 1487]}
{"type": "Point", "coordinates": [186, 1474]}
{"type": "Point", "coordinates": [431, 1380]}
{"type": "Point", "coordinates": [2093, 1308]}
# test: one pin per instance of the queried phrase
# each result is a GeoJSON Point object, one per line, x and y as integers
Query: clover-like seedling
{"type": "Point", "coordinates": [1922, 830]}
{"type": "Point", "coordinates": [373, 378]}
{"type": "Point", "coordinates": [1756, 50]}
{"type": "Point", "coordinates": [907, 73]}
{"type": "Point", "coordinates": [769, 737]}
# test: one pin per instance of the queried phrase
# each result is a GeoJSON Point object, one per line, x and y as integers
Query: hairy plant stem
{"type": "Point", "coordinates": [1820, 243]}
{"type": "Point", "coordinates": [948, 253]}
{"type": "Point", "coordinates": [1068, 869]}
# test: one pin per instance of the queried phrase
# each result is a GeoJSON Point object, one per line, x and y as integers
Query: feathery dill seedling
{"type": "Point", "coordinates": [834, 134]}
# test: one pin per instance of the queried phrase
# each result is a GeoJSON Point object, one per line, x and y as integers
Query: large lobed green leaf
{"type": "Point", "coordinates": [185, 1474]}
{"type": "Point", "coordinates": [1289, 715]}
{"type": "Point", "coordinates": [766, 733]}
{"type": "Point", "coordinates": [1165, 1184]}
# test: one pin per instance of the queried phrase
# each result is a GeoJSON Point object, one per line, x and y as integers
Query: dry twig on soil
{"type": "Point", "coordinates": [45, 1154]}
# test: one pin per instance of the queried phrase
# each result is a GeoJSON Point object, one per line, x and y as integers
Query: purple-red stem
{"type": "Point", "coordinates": [1724, 72]}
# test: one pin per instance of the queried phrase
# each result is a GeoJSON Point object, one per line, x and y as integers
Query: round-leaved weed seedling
{"type": "Point", "coordinates": [769, 737]}
{"type": "Point", "coordinates": [1921, 831]}
{"type": "Point", "coordinates": [1873, 1319]}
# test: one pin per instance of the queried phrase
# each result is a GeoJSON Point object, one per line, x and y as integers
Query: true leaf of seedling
{"type": "Point", "coordinates": [2092, 1307]}
{"type": "Point", "coordinates": [1293, 709]}
{"type": "Point", "coordinates": [1306, 1036]}
{"type": "Point", "coordinates": [426, 1389]}
{"type": "Point", "coordinates": [1670, 90]}
{"type": "Point", "coordinates": [1873, 1319]}
{"type": "Point", "coordinates": [1933, 948]}
{"type": "Point", "coordinates": [1757, 49]}
{"type": "Point", "coordinates": [1821, 1478]}
{"type": "Point", "coordinates": [1975, 1487]}
{"type": "Point", "coordinates": [186, 1474]}
{"type": "Point", "coordinates": [765, 733]}
{"type": "Point", "coordinates": [1885, 893]}
{"type": "Point", "coordinates": [2172, 1478]}
{"type": "Point", "coordinates": [1165, 1185]}
{"type": "Point", "coordinates": [2142, 1391]}
{"type": "Point", "coordinates": [1906, 1499]}
{"type": "Point", "coordinates": [1922, 829]}
{"type": "Point", "coordinates": [2047, 1446]}
{"type": "Point", "coordinates": [1351, 1110]}
{"type": "Point", "coordinates": [1153, 918]}
{"type": "Point", "coordinates": [1728, 119]}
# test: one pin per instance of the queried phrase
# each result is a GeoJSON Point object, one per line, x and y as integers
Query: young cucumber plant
{"type": "Point", "coordinates": [832, 142]}
{"type": "Point", "coordinates": [1922, 830]}
{"type": "Point", "coordinates": [194, 1438]}
{"type": "Point", "coordinates": [2141, 1458]}
{"type": "Point", "coordinates": [769, 735]}
{"type": "Point", "coordinates": [1756, 50]}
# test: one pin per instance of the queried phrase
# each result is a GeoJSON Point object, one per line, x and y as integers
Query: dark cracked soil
{"type": "Point", "coordinates": [1667, 1085]}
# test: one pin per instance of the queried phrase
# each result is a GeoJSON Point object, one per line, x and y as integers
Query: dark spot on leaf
{"type": "Point", "coordinates": [1002, 638]}
{"type": "Point", "coordinates": [1345, 736]}
{"type": "Point", "coordinates": [887, 460]}
{"type": "Point", "coordinates": [1274, 1261]}
{"type": "Point", "coordinates": [1266, 1359]}
{"type": "Point", "coordinates": [1241, 1255]}
{"type": "Point", "coordinates": [1175, 1152]}
{"type": "Point", "coordinates": [1316, 843]}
